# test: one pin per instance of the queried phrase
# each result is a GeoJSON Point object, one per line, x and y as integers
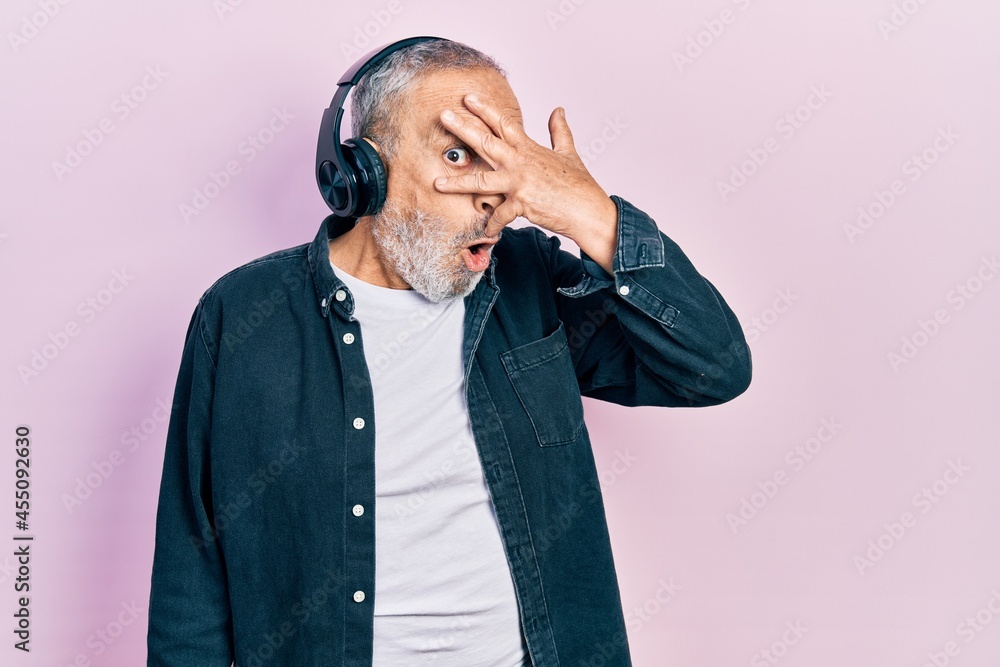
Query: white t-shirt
{"type": "Point", "coordinates": [443, 590]}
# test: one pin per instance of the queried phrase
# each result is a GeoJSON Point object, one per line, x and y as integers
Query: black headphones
{"type": "Point", "coordinates": [351, 175]}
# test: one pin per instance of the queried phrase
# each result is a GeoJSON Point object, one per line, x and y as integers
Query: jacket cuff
{"type": "Point", "coordinates": [639, 246]}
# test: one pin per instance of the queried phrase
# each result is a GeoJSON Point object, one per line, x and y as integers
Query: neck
{"type": "Point", "coordinates": [356, 252]}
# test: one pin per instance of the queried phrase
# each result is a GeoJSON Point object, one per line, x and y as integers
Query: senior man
{"type": "Point", "coordinates": [377, 452]}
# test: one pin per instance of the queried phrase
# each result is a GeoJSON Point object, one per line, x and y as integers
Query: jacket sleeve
{"type": "Point", "coordinates": [655, 332]}
{"type": "Point", "coordinates": [190, 621]}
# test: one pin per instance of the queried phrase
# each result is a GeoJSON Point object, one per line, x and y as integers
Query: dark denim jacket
{"type": "Point", "coordinates": [261, 554]}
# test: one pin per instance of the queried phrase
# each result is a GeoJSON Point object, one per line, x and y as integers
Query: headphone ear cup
{"type": "Point", "coordinates": [372, 181]}
{"type": "Point", "coordinates": [332, 187]}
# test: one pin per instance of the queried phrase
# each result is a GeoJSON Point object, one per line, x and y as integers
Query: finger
{"type": "Point", "coordinates": [562, 136]}
{"type": "Point", "coordinates": [482, 182]}
{"type": "Point", "coordinates": [503, 215]}
{"type": "Point", "coordinates": [504, 124]}
{"type": "Point", "coordinates": [490, 147]}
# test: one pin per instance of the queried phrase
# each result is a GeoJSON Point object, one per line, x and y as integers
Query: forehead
{"type": "Point", "coordinates": [437, 91]}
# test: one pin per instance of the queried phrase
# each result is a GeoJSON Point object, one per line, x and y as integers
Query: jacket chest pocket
{"type": "Point", "coordinates": [543, 377]}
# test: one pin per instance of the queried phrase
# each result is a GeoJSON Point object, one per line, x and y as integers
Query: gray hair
{"type": "Point", "coordinates": [380, 95]}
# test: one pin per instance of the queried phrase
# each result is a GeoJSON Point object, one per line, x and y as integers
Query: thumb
{"type": "Point", "coordinates": [562, 136]}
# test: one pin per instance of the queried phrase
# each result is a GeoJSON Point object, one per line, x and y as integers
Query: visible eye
{"type": "Point", "coordinates": [458, 156]}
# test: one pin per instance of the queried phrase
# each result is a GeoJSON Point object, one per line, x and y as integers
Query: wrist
{"type": "Point", "coordinates": [599, 238]}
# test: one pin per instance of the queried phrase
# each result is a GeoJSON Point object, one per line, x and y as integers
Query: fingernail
{"type": "Point", "coordinates": [441, 181]}
{"type": "Point", "coordinates": [472, 97]}
{"type": "Point", "coordinates": [449, 114]}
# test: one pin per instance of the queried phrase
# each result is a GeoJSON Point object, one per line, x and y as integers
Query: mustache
{"type": "Point", "coordinates": [392, 213]}
{"type": "Point", "coordinates": [479, 223]}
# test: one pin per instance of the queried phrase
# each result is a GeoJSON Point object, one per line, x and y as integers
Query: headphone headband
{"type": "Point", "coordinates": [351, 176]}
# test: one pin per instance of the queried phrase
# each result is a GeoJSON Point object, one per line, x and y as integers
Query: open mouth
{"type": "Point", "coordinates": [477, 255]}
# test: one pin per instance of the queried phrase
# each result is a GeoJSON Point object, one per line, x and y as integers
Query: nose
{"type": "Point", "coordinates": [486, 204]}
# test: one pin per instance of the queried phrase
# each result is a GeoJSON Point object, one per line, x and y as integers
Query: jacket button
{"type": "Point", "coordinates": [358, 510]}
{"type": "Point", "coordinates": [340, 295]}
{"type": "Point", "coordinates": [348, 338]}
{"type": "Point", "coordinates": [623, 290]}
{"type": "Point", "coordinates": [359, 423]}
{"type": "Point", "coordinates": [359, 596]}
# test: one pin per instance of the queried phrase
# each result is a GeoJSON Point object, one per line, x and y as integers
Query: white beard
{"type": "Point", "coordinates": [421, 250]}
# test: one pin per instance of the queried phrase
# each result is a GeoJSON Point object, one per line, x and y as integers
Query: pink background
{"type": "Point", "coordinates": [829, 307]}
